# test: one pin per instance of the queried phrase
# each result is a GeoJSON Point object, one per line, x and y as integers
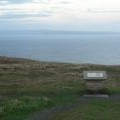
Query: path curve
{"type": "Point", "coordinates": [49, 113]}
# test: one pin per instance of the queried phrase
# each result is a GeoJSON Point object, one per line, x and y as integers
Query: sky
{"type": "Point", "coordinates": [82, 15]}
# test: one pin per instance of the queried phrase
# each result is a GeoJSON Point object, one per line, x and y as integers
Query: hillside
{"type": "Point", "coordinates": [27, 86]}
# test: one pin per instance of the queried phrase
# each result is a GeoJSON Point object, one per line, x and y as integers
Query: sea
{"type": "Point", "coordinates": [66, 48]}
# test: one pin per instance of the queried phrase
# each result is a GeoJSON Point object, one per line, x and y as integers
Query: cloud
{"type": "Point", "coordinates": [17, 1]}
{"type": "Point", "coordinates": [42, 1]}
{"type": "Point", "coordinates": [4, 2]}
{"type": "Point", "coordinates": [24, 10]}
{"type": "Point", "coordinates": [20, 16]}
{"type": "Point", "coordinates": [79, 12]}
{"type": "Point", "coordinates": [109, 11]}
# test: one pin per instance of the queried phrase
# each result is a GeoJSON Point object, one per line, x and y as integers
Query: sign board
{"type": "Point", "coordinates": [94, 75]}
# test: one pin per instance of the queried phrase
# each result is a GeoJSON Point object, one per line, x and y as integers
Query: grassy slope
{"type": "Point", "coordinates": [27, 86]}
{"type": "Point", "coordinates": [94, 110]}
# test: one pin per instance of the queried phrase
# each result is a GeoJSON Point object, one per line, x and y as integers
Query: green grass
{"type": "Point", "coordinates": [95, 110]}
{"type": "Point", "coordinates": [24, 84]}
{"type": "Point", "coordinates": [17, 109]}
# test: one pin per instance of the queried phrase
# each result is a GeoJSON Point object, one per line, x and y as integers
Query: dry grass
{"type": "Point", "coordinates": [21, 77]}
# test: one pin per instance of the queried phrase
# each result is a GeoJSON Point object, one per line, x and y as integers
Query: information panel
{"type": "Point", "coordinates": [96, 75]}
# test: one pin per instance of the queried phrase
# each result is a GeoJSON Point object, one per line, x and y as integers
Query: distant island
{"type": "Point", "coordinates": [55, 32]}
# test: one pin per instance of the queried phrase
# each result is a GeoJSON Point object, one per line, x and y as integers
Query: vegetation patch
{"type": "Point", "coordinates": [28, 86]}
{"type": "Point", "coordinates": [95, 110]}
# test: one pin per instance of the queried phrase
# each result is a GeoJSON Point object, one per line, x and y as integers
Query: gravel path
{"type": "Point", "coordinates": [47, 114]}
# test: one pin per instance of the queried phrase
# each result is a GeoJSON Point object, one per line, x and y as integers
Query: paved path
{"type": "Point", "coordinates": [47, 114]}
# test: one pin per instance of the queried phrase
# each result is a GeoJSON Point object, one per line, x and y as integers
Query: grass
{"type": "Point", "coordinates": [28, 86]}
{"type": "Point", "coordinates": [95, 110]}
{"type": "Point", "coordinates": [17, 109]}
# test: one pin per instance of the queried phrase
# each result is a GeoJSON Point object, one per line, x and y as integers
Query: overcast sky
{"type": "Point", "coordinates": [89, 15]}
